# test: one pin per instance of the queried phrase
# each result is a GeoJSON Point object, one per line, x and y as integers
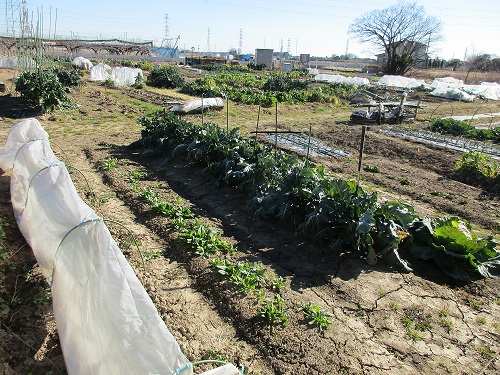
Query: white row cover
{"type": "Point", "coordinates": [106, 321]}
{"type": "Point", "coordinates": [100, 72]}
{"type": "Point", "coordinates": [336, 78]}
{"type": "Point", "coordinates": [82, 63]}
{"type": "Point", "coordinates": [197, 105]}
{"type": "Point", "coordinates": [446, 87]}
{"type": "Point", "coordinates": [14, 62]}
{"type": "Point", "coordinates": [400, 82]}
{"type": "Point", "coordinates": [449, 87]}
{"type": "Point", "coordinates": [121, 76]}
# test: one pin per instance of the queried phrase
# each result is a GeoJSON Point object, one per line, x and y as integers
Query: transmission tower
{"type": "Point", "coordinates": [16, 17]}
{"type": "Point", "coordinates": [167, 31]}
{"type": "Point", "coordinates": [347, 50]}
{"type": "Point", "coordinates": [240, 48]}
{"type": "Point", "coordinates": [26, 29]}
{"type": "Point", "coordinates": [208, 40]}
{"type": "Point", "coordinates": [12, 13]}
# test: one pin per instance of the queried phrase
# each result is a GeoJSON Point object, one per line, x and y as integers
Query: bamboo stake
{"type": "Point", "coordinates": [227, 115]}
{"type": "Point", "coordinates": [363, 133]}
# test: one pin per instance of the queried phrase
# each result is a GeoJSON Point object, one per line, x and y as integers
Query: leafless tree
{"type": "Point", "coordinates": [402, 31]}
{"type": "Point", "coordinates": [478, 63]}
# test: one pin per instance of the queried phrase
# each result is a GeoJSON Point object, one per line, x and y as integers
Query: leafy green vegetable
{"type": "Point", "coordinates": [455, 248]}
{"type": "Point", "coordinates": [332, 212]}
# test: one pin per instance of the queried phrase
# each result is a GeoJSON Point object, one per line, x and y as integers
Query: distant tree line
{"type": "Point", "coordinates": [473, 63]}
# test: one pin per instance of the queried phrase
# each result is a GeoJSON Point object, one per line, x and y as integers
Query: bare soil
{"type": "Point", "coordinates": [383, 322]}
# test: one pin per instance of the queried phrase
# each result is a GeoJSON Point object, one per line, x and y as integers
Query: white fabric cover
{"type": "Point", "coordinates": [82, 63]}
{"type": "Point", "coordinates": [336, 78]}
{"type": "Point", "coordinates": [100, 72]}
{"type": "Point", "coordinates": [195, 106]}
{"type": "Point", "coordinates": [106, 321]}
{"type": "Point", "coordinates": [14, 62]}
{"type": "Point", "coordinates": [123, 76]}
{"type": "Point", "coordinates": [401, 82]}
{"type": "Point", "coordinates": [452, 88]}
{"type": "Point", "coordinates": [452, 93]}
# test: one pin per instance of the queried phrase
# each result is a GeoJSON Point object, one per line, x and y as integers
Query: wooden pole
{"type": "Point", "coordinates": [227, 115]}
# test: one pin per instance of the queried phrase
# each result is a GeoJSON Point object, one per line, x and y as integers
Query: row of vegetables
{"type": "Point", "coordinates": [335, 213]}
{"type": "Point", "coordinates": [265, 88]}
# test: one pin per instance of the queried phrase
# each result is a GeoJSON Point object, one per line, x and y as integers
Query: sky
{"type": "Point", "coordinates": [316, 27]}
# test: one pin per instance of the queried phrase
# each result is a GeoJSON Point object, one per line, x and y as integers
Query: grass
{"type": "Point", "coordinates": [3, 253]}
{"type": "Point", "coordinates": [445, 321]}
{"type": "Point", "coordinates": [415, 320]}
{"type": "Point", "coordinates": [486, 351]}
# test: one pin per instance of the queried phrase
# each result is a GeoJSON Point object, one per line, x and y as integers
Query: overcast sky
{"type": "Point", "coordinates": [317, 27]}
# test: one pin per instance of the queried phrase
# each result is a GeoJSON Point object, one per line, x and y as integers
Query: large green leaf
{"type": "Point", "coordinates": [453, 246]}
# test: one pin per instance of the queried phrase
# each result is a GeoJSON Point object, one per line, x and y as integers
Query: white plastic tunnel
{"type": "Point", "coordinates": [106, 321]}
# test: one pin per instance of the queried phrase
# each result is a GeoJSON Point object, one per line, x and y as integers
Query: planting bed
{"type": "Point", "coordinates": [382, 322]}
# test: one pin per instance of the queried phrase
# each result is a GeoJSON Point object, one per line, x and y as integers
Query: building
{"type": "Point", "coordinates": [415, 49]}
{"type": "Point", "coordinates": [264, 56]}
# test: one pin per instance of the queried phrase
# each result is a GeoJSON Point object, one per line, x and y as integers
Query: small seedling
{"type": "Point", "coordinates": [486, 351]}
{"type": "Point", "coordinates": [274, 312]}
{"type": "Point", "coordinates": [150, 255]}
{"type": "Point", "coordinates": [374, 169]}
{"type": "Point", "coordinates": [481, 320]}
{"type": "Point", "coordinates": [395, 306]}
{"type": "Point", "coordinates": [316, 316]}
{"type": "Point", "coordinates": [135, 176]}
{"type": "Point", "coordinates": [404, 181]}
{"type": "Point", "coordinates": [277, 283]}
{"type": "Point", "coordinates": [246, 276]}
{"type": "Point", "coordinates": [42, 297]}
{"type": "Point", "coordinates": [445, 321]}
{"type": "Point", "coordinates": [475, 304]}
{"type": "Point", "coordinates": [205, 241]}
{"type": "Point", "coordinates": [109, 164]}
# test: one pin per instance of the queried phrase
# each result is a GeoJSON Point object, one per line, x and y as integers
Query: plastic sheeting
{"type": "Point", "coordinates": [336, 78]}
{"type": "Point", "coordinates": [82, 63]}
{"type": "Point", "coordinates": [106, 321]}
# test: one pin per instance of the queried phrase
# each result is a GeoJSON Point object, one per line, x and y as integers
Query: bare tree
{"type": "Point", "coordinates": [478, 63]}
{"type": "Point", "coordinates": [403, 32]}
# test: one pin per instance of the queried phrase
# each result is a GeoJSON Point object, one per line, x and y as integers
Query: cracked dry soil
{"type": "Point", "coordinates": [383, 322]}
